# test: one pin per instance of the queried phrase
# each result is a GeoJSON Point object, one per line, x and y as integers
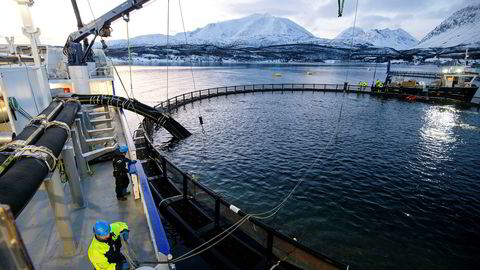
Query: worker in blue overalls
{"type": "Point", "coordinates": [120, 172]}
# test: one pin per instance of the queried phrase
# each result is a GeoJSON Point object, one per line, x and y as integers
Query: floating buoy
{"type": "Point", "coordinates": [201, 120]}
{"type": "Point", "coordinates": [277, 74]}
{"type": "Point", "coordinates": [309, 73]}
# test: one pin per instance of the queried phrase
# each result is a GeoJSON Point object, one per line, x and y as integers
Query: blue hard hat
{"type": "Point", "coordinates": [123, 149]}
{"type": "Point", "coordinates": [101, 228]}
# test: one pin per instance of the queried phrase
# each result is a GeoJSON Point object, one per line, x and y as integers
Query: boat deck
{"type": "Point", "coordinates": [37, 225]}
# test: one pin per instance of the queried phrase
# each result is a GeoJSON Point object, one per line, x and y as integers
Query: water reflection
{"type": "Point", "coordinates": [437, 133]}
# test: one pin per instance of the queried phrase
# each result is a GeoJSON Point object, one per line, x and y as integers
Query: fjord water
{"type": "Point", "coordinates": [397, 187]}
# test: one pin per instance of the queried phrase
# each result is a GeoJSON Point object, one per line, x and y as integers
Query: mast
{"type": "Point", "coordinates": [32, 33]}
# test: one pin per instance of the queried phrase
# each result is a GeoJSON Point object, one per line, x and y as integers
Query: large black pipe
{"type": "Point", "coordinates": [50, 112]}
{"type": "Point", "coordinates": [21, 181]}
{"type": "Point", "coordinates": [33, 131]}
{"type": "Point", "coordinates": [161, 118]}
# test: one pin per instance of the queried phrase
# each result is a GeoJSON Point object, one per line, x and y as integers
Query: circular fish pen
{"type": "Point", "coordinates": [408, 214]}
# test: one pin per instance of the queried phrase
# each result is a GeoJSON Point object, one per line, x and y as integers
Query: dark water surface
{"type": "Point", "coordinates": [398, 187]}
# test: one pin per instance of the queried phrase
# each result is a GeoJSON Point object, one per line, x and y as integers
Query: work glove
{"type": "Point", "coordinates": [132, 169]}
{"type": "Point", "coordinates": [124, 235]}
{"type": "Point", "coordinates": [122, 266]}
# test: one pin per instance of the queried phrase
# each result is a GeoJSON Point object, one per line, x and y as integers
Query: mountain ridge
{"type": "Point", "coordinates": [393, 38]}
{"type": "Point", "coordinates": [253, 30]}
{"type": "Point", "coordinates": [460, 28]}
{"type": "Point", "coordinates": [262, 30]}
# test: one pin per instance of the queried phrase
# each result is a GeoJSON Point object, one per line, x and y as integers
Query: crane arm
{"type": "Point", "coordinates": [97, 27]}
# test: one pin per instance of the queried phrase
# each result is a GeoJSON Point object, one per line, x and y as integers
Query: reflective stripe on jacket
{"type": "Point", "coordinates": [104, 255]}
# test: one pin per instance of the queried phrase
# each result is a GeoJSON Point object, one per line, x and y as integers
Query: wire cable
{"type": "Point", "coordinates": [186, 43]}
{"type": "Point", "coordinates": [127, 20]}
{"type": "Point", "coordinates": [351, 40]}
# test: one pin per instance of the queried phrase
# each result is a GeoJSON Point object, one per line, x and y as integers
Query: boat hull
{"type": "Point", "coordinates": [464, 94]}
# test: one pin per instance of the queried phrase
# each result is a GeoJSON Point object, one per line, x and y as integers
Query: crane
{"type": "Point", "coordinates": [341, 4]}
{"type": "Point", "coordinates": [98, 27]}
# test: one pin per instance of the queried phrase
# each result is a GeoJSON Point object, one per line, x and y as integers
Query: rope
{"type": "Point", "coordinates": [30, 85]}
{"type": "Point", "coordinates": [191, 63]}
{"type": "Point", "coordinates": [126, 18]}
{"type": "Point", "coordinates": [60, 125]}
{"type": "Point", "coordinates": [275, 265]}
{"type": "Point", "coordinates": [186, 43]}
{"type": "Point", "coordinates": [222, 236]}
{"type": "Point", "coordinates": [91, 11]}
{"type": "Point", "coordinates": [353, 37]}
{"type": "Point", "coordinates": [38, 152]}
{"type": "Point", "coordinates": [168, 37]}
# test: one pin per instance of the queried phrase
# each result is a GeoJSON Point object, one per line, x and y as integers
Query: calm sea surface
{"type": "Point", "coordinates": [397, 187]}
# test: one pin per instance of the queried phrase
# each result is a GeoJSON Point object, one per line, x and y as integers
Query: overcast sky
{"type": "Point", "coordinates": [56, 19]}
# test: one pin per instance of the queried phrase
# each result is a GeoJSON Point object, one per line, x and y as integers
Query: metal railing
{"type": "Point", "coordinates": [182, 99]}
{"type": "Point", "coordinates": [274, 243]}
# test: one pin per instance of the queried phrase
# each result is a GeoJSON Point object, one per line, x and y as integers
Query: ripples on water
{"type": "Point", "coordinates": [397, 189]}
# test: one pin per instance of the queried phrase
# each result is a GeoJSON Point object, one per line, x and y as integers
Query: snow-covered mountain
{"type": "Point", "coordinates": [394, 38]}
{"type": "Point", "coordinates": [254, 30]}
{"type": "Point", "coordinates": [461, 28]}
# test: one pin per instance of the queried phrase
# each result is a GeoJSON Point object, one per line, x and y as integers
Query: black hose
{"type": "Point", "coordinates": [51, 112]}
{"type": "Point", "coordinates": [161, 118]}
{"type": "Point", "coordinates": [21, 181]}
{"type": "Point", "coordinates": [29, 133]}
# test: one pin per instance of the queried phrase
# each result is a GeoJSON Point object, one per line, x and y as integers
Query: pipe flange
{"type": "Point", "coordinates": [39, 152]}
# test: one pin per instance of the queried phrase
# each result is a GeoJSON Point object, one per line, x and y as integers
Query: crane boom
{"type": "Point", "coordinates": [97, 27]}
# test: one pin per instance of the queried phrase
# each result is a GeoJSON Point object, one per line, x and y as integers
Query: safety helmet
{"type": "Point", "coordinates": [123, 149]}
{"type": "Point", "coordinates": [101, 228]}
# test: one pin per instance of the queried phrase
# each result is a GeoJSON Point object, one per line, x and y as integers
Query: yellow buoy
{"type": "Point", "coordinates": [277, 74]}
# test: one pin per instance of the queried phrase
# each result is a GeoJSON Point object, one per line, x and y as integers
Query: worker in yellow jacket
{"type": "Point", "coordinates": [104, 251]}
{"type": "Point", "coordinates": [378, 84]}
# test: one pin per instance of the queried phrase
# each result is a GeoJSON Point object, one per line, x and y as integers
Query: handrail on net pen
{"type": "Point", "coordinates": [210, 92]}
{"type": "Point", "coordinates": [221, 201]}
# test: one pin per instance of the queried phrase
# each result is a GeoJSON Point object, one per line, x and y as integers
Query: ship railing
{"type": "Point", "coordinates": [182, 99]}
{"type": "Point", "coordinates": [101, 72]}
{"type": "Point", "coordinates": [221, 212]}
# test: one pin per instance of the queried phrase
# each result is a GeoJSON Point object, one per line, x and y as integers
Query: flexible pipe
{"type": "Point", "coordinates": [21, 181]}
{"type": "Point", "coordinates": [31, 133]}
{"type": "Point", "coordinates": [172, 126]}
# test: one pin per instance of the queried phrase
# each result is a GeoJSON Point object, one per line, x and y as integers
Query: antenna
{"type": "Point", "coordinates": [466, 57]}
